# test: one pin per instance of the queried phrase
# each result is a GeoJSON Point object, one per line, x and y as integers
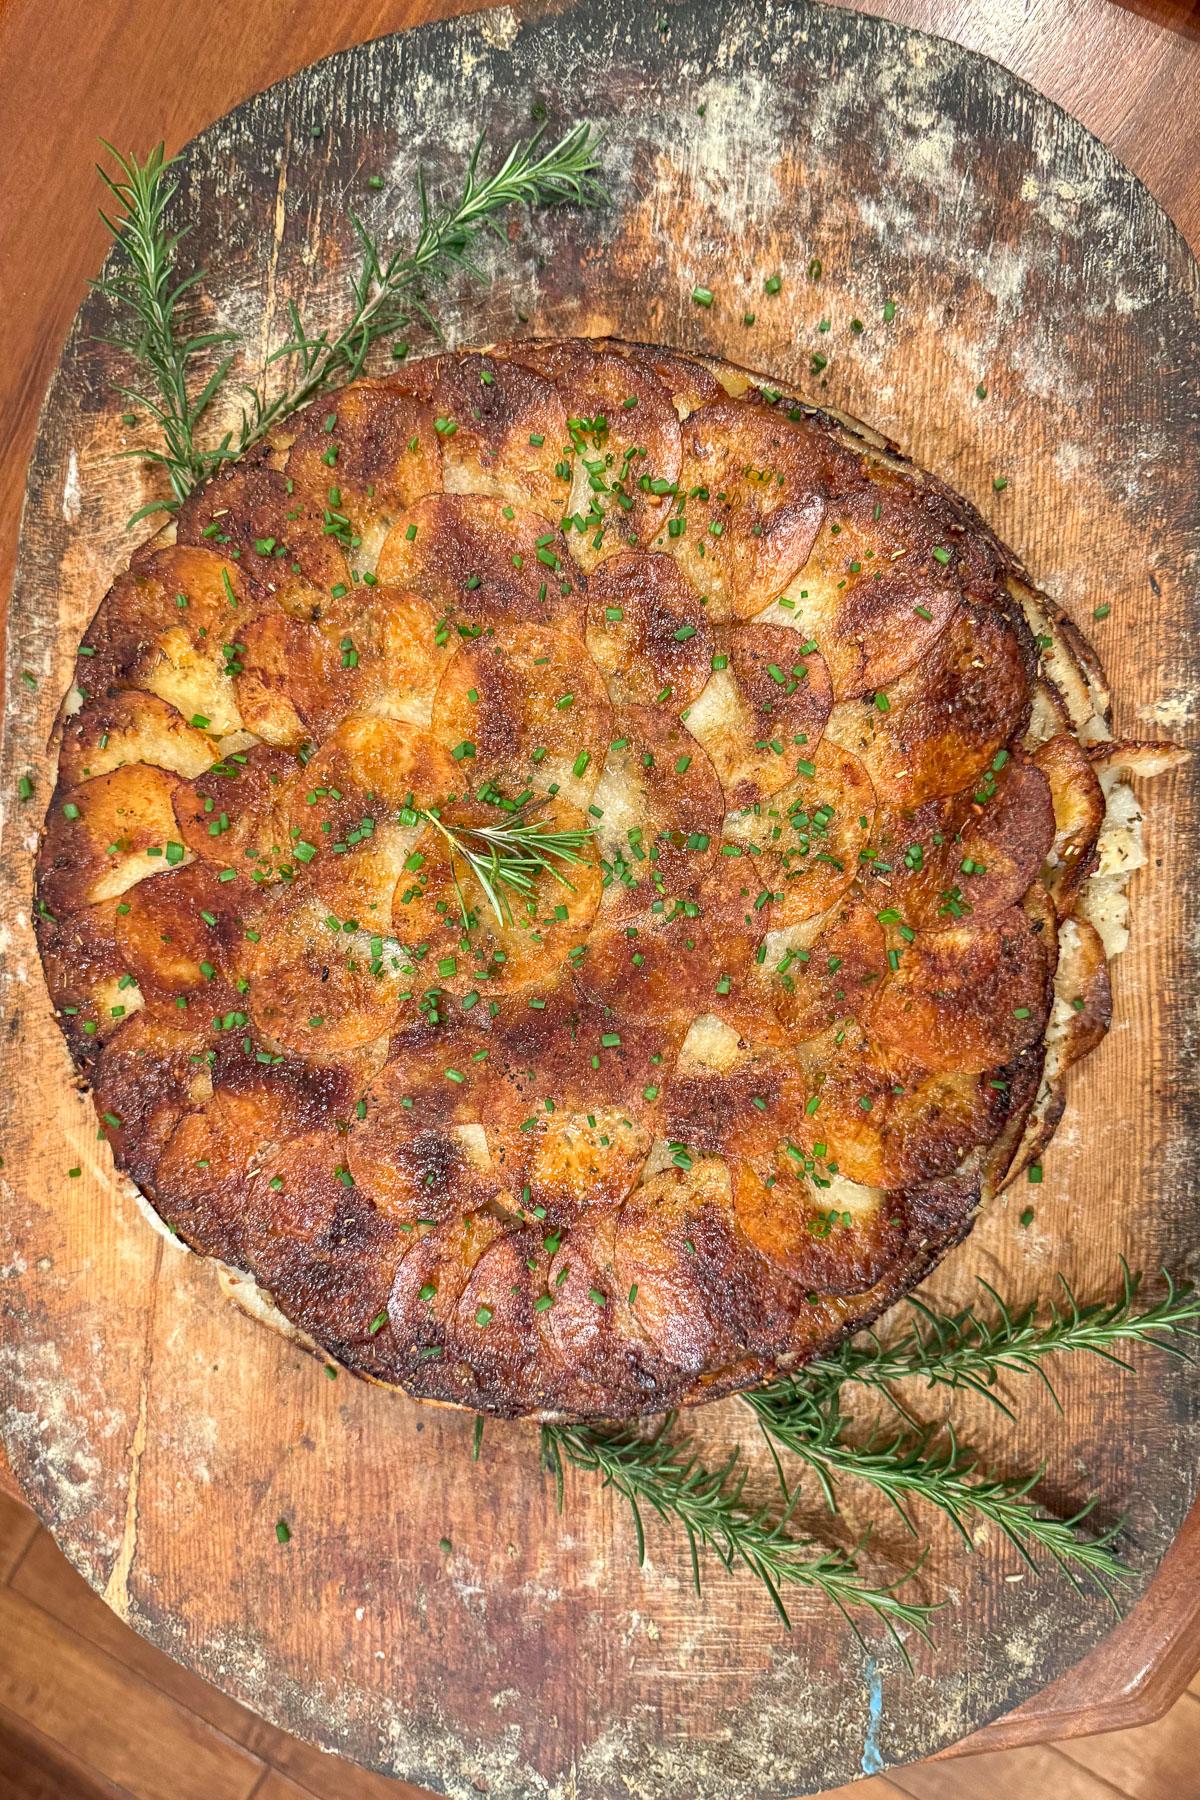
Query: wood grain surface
{"type": "Point", "coordinates": [161, 1434]}
{"type": "Point", "coordinates": [55, 1751]}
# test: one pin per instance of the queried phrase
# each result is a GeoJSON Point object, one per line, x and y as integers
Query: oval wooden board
{"type": "Point", "coordinates": [159, 1432]}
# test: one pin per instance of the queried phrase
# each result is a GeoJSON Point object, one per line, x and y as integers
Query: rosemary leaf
{"type": "Point", "coordinates": [506, 859]}
{"type": "Point", "coordinates": [389, 293]}
{"type": "Point", "coordinates": [928, 1464]}
{"type": "Point", "coordinates": [662, 1473]}
{"type": "Point", "coordinates": [970, 1347]}
{"type": "Point", "coordinates": [149, 301]}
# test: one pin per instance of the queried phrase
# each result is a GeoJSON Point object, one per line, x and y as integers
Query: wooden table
{"type": "Point", "coordinates": [144, 73]}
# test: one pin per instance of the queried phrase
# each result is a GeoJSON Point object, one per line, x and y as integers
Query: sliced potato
{"type": "Point", "coordinates": [318, 982]}
{"type": "Point", "coordinates": [761, 716]}
{"type": "Point", "coordinates": [175, 931]}
{"type": "Point", "coordinates": [235, 813]}
{"type": "Point", "coordinates": [363, 455]}
{"type": "Point", "coordinates": [648, 631]}
{"type": "Point", "coordinates": [1078, 816]}
{"type": "Point", "coordinates": [623, 431]}
{"type": "Point", "coordinates": [275, 531]}
{"type": "Point", "coordinates": [969, 998]}
{"type": "Point", "coordinates": [656, 812]}
{"type": "Point", "coordinates": [942, 724]}
{"type": "Point", "coordinates": [131, 727]}
{"type": "Point", "coordinates": [812, 835]}
{"type": "Point", "coordinates": [481, 562]}
{"type": "Point", "coordinates": [419, 1149]}
{"type": "Point", "coordinates": [537, 926]}
{"type": "Point", "coordinates": [828, 1233]}
{"type": "Point", "coordinates": [503, 428]}
{"type": "Point", "coordinates": [826, 969]}
{"type": "Point", "coordinates": [750, 499]}
{"type": "Point", "coordinates": [687, 382]}
{"type": "Point", "coordinates": [107, 834]}
{"type": "Point", "coordinates": [524, 711]}
{"type": "Point", "coordinates": [965, 856]}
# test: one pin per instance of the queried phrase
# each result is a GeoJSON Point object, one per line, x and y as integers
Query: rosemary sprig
{"type": "Point", "coordinates": [970, 1348]}
{"type": "Point", "coordinates": [506, 859]}
{"type": "Point", "coordinates": [929, 1464]}
{"type": "Point", "coordinates": [149, 298]}
{"type": "Point", "coordinates": [389, 293]}
{"type": "Point", "coordinates": [662, 1473]}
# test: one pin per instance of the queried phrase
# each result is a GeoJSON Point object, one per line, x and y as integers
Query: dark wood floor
{"type": "Point", "coordinates": [88, 1711]}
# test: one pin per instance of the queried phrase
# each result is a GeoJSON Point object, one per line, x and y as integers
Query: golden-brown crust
{"type": "Point", "coordinates": [685, 1122]}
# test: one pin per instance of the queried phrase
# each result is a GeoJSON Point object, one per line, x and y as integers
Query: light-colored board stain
{"type": "Point", "coordinates": [159, 1431]}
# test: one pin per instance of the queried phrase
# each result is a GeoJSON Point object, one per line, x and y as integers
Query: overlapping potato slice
{"type": "Point", "coordinates": [761, 716]}
{"type": "Point", "coordinates": [656, 811]}
{"type": "Point", "coordinates": [424, 1302]}
{"type": "Point", "coordinates": [578, 1092]}
{"type": "Point", "coordinates": [419, 1145]}
{"type": "Point", "coordinates": [826, 1233]}
{"type": "Point", "coordinates": [480, 562]}
{"type": "Point", "coordinates": [321, 979]}
{"type": "Point", "coordinates": [131, 726]}
{"type": "Point", "coordinates": [968, 998]}
{"type": "Point", "coordinates": [337, 1282]}
{"type": "Point", "coordinates": [107, 834]}
{"type": "Point", "coordinates": [235, 814]}
{"type": "Point", "coordinates": [734, 1095]}
{"type": "Point", "coordinates": [695, 1292]}
{"type": "Point", "coordinates": [966, 855]}
{"type": "Point", "coordinates": [827, 969]}
{"type": "Point", "coordinates": [811, 836]}
{"type": "Point", "coordinates": [648, 631]}
{"type": "Point", "coordinates": [586, 1326]}
{"type": "Point", "coordinates": [363, 776]}
{"type": "Point", "coordinates": [688, 382]}
{"type": "Point", "coordinates": [887, 1120]}
{"type": "Point", "coordinates": [171, 626]}
{"type": "Point", "coordinates": [938, 727]}
{"type": "Point", "coordinates": [750, 504]}
{"type": "Point", "coordinates": [351, 818]}
{"type": "Point", "coordinates": [255, 1169]}
{"type": "Point", "coordinates": [365, 454]}
{"type": "Point", "coordinates": [152, 1071]}
{"type": "Point", "coordinates": [1078, 802]}
{"type": "Point", "coordinates": [175, 933]}
{"type": "Point", "coordinates": [503, 428]}
{"type": "Point", "coordinates": [524, 711]}
{"type": "Point", "coordinates": [665, 964]}
{"type": "Point", "coordinates": [674, 1232]}
{"type": "Point", "coordinates": [494, 1325]}
{"type": "Point", "coordinates": [1082, 995]}
{"type": "Point", "coordinates": [885, 576]}
{"type": "Point", "coordinates": [624, 436]}
{"type": "Point", "coordinates": [375, 649]}
{"type": "Point", "coordinates": [445, 913]}
{"type": "Point", "coordinates": [274, 531]}
{"type": "Point", "coordinates": [91, 990]}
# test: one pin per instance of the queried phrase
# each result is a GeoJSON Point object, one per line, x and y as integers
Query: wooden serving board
{"type": "Point", "coordinates": [159, 1432]}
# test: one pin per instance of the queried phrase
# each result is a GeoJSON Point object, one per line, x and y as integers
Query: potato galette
{"type": "Point", "coordinates": [576, 873]}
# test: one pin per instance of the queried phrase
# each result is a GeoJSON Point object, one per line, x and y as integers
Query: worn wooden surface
{"type": "Point", "coordinates": [162, 1434]}
{"type": "Point", "coordinates": [80, 1668]}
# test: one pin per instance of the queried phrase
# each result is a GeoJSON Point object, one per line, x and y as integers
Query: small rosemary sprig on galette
{"type": "Point", "coordinates": [505, 860]}
{"type": "Point", "coordinates": [389, 294]}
